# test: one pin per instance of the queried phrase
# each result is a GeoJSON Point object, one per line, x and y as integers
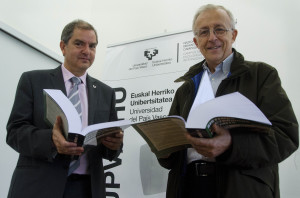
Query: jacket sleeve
{"type": "Point", "coordinates": [23, 135]}
{"type": "Point", "coordinates": [253, 150]}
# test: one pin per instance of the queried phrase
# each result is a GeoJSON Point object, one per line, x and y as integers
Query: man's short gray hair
{"type": "Point", "coordinates": [213, 7]}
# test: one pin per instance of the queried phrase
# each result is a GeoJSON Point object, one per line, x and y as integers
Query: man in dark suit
{"type": "Point", "coordinates": [44, 154]}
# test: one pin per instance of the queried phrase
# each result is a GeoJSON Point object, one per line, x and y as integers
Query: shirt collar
{"type": "Point", "coordinates": [67, 75]}
{"type": "Point", "coordinates": [224, 66]}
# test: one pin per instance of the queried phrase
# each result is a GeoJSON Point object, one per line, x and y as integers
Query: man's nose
{"type": "Point", "coordinates": [86, 49]}
{"type": "Point", "coordinates": [212, 35]}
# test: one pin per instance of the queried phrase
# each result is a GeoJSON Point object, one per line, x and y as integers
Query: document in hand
{"type": "Point", "coordinates": [166, 135]}
{"type": "Point", "coordinates": [57, 104]}
{"type": "Point", "coordinates": [228, 111]}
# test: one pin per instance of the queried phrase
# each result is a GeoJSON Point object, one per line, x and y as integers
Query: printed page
{"type": "Point", "coordinates": [204, 93]}
{"type": "Point", "coordinates": [96, 131]}
{"type": "Point", "coordinates": [71, 119]}
{"type": "Point", "coordinates": [231, 105]}
{"type": "Point", "coordinates": [163, 134]}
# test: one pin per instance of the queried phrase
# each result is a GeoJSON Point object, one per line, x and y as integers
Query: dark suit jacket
{"type": "Point", "coordinates": [37, 173]}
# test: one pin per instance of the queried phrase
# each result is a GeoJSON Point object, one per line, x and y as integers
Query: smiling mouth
{"type": "Point", "coordinates": [84, 59]}
{"type": "Point", "coordinates": [212, 48]}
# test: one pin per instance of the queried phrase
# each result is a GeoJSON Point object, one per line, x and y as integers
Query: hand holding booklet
{"type": "Point", "coordinates": [57, 104]}
{"type": "Point", "coordinates": [166, 135]}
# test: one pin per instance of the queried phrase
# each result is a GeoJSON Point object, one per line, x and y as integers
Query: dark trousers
{"type": "Point", "coordinates": [78, 186]}
{"type": "Point", "coordinates": [200, 180]}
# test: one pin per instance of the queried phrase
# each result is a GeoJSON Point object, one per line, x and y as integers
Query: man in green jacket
{"type": "Point", "coordinates": [237, 162]}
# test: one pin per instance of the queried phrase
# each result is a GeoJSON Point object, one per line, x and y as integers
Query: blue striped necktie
{"type": "Point", "coordinates": [74, 94]}
{"type": "Point", "coordinates": [74, 98]}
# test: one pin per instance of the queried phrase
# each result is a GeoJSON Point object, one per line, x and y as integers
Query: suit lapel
{"type": "Point", "coordinates": [57, 80]}
{"type": "Point", "coordinates": [92, 98]}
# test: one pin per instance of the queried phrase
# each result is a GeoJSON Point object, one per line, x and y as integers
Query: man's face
{"type": "Point", "coordinates": [214, 48]}
{"type": "Point", "coordinates": [80, 51]}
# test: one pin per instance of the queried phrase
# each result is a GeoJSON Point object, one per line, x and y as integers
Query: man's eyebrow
{"type": "Point", "coordinates": [93, 44]}
{"type": "Point", "coordinates": [78, 40]}
{"type": "Point", "coordinates": [214, 26]}
{"type": "Point", "coordinates": [204, 27]}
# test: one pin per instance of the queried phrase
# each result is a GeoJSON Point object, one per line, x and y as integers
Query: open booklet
{"type": "Point", "coordinates": [166, 135]}
{"type": "Point", "coordinates": [57, 104]}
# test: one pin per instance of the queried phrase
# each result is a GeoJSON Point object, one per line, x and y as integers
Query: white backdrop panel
{"type": "Point", "coordinates": [143, 73]}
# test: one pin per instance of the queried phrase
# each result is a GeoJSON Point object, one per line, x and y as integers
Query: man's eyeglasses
{"type": "Point", "coordinates": [202, 33]}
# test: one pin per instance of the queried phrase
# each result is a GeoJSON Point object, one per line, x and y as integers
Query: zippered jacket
{"type": "Point", "coordinates": [249, 168]}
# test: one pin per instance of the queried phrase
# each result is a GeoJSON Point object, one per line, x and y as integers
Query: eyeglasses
{"type": "Point", "coordinates": [217, 31]}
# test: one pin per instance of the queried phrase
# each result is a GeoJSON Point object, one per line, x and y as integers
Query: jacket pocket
{"type": "Point", "coordinates": [263, 175]}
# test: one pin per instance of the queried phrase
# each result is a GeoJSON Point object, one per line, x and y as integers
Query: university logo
{"type": "Point", "coordinates": [149, 53]}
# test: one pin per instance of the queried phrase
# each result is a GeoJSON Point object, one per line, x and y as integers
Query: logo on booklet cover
{"type": "Point", "coordinates": [149, 53]}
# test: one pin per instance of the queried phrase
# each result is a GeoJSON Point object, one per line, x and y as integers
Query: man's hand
{"type": "Point", "coordinates": [113, 141]}
{"type": "Point", "coordinates": [63, 146]}
{"type": "Point", "coordinates": [212, 147]}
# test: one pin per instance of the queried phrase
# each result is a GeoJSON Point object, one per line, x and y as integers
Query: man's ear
{"type": "Point", "coordinates": [234, 35]}
{"type": "Point", "coordinates": [195, 41]}
{"type": "Point", "coordinates": [62, 46]}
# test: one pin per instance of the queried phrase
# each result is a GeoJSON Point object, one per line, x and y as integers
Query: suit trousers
{"type": "Point", "coordinates": [78, 186]}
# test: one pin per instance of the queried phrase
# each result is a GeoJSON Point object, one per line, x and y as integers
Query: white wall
{"type": "Point", "coordinates": [16, 57]}
{"type": "Point", "coordinates": [268, 31]}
